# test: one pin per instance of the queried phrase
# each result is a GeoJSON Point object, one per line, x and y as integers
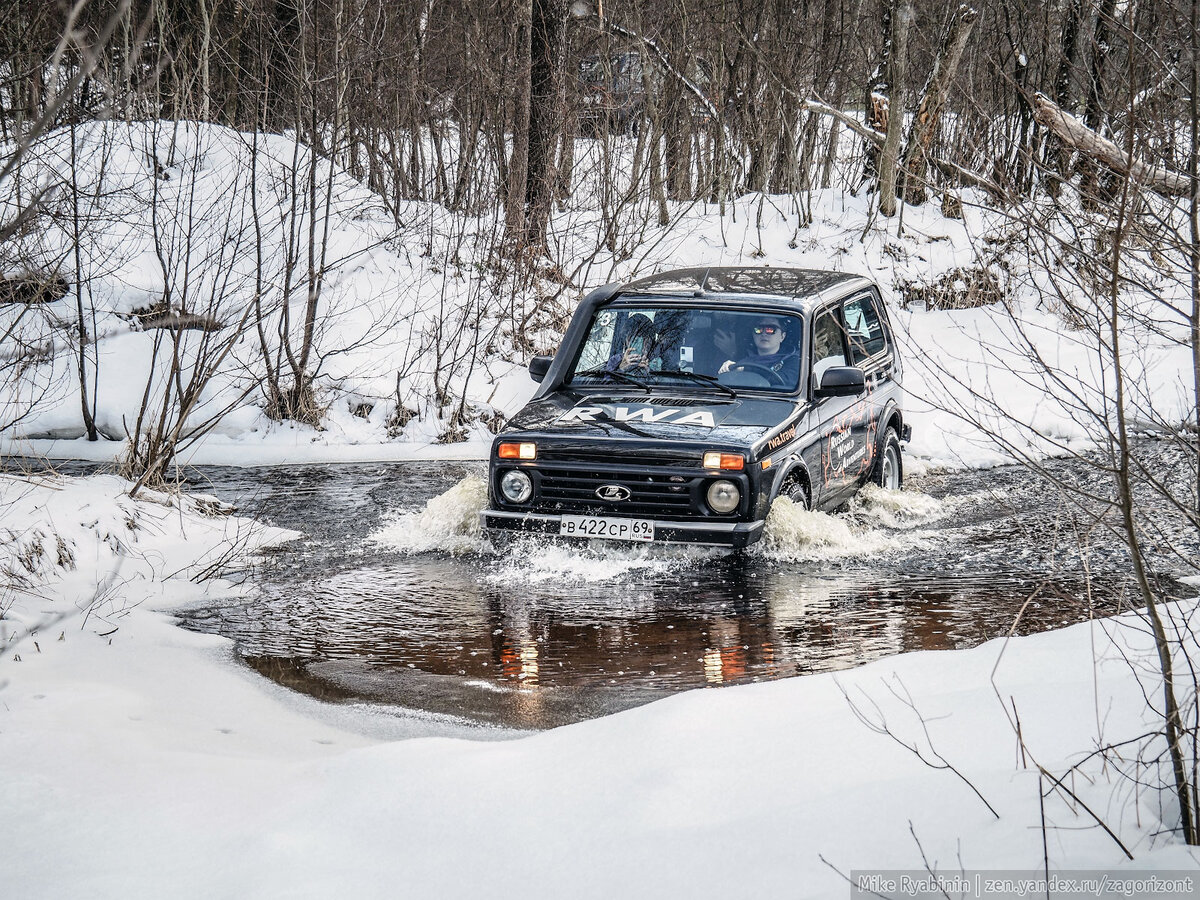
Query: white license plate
{"type": "Point", "coordinates": [604, 527]}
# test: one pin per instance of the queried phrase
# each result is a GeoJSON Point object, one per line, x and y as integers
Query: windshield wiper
{"type": "Point", "coordinates": [619, 376]}
{"type": "Point", "coordinates": [698, 376]}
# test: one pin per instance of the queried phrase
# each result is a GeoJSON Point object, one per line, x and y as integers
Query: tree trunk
{"type": "Point", "coordinates": [89, 411]}
{"type": "Point", "coordinates": [548, 55]}
{"type": "Point", "coordinates": [678, 151]}
{"type": "Point", "coordinates": [654, 120]}
{"type": "Point", "coordinates": [902, 17]}
{"type": "Point", "coordinates": [785, 171]}
{"type": "Point", "coordinates": [1094, 112]}
{"type": "Point", "coordinates": [1056, 159]}
{"type": "Point", "coordinates": [518, 163]}
{"type": "Point", "coordinates": [566, 153]}
{"type": "Point", "coordinates": [876, 100]}
{"type": "Point", "coordinates": [933, 99]}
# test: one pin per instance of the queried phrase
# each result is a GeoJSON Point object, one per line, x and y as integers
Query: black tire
{"type": "Point", "coordinates": [888, 471]}
{"type": "Point", "coordinates": [797, 491]}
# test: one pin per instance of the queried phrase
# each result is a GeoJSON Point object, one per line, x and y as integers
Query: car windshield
{"type": "Point", "coordinates": [725, 350]}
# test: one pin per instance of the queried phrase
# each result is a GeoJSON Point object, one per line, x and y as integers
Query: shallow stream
{"type": "Point", "coordinates": [394, 597]}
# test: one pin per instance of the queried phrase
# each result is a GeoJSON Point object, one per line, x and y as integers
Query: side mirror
{"type": "Point", "coordinates": [539, 366]}
{"type": "Point", "coordinates": [841, 381]}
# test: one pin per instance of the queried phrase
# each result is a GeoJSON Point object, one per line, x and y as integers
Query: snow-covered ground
{"type": "Point", "coordinates": [140, 761]}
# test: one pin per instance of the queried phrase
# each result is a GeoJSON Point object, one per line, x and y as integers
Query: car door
{"type": "Point", "coordinates": [834, 415]}
{"type": "Point", "coordinates": [871, 350]}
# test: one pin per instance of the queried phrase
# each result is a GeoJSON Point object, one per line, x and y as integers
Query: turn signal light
{"type": "Point", "coordinates": [518, 451]}
{"type": "Point", "coordinates": [715, 460]}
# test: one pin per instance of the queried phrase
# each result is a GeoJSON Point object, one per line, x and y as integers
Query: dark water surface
{"type": "Point", "coordinates": [539, 634]}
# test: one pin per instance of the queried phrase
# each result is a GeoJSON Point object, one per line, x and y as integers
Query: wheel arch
{"type": "Point", "coordinates": [893, 418]}
{"type": "Point", "coordinates": [794, 468]}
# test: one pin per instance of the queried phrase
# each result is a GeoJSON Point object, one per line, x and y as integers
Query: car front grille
{"type": "Point", "coordinates": [660, 495]}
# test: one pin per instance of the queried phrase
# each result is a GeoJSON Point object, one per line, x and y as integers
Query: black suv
{"type": "Point", "coordinates": [680, 406]}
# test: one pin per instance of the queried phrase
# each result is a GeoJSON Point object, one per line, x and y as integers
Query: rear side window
{"type": "Point", "coordinates": [864, 328]}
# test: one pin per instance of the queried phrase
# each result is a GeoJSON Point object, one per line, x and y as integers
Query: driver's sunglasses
{"type": "Point", "coordinates": [767, 329]}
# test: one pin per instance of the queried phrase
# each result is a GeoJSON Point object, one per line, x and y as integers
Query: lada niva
{"type": "Point", "coordinates": [680, 406]}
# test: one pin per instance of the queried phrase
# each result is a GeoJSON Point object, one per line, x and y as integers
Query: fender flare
{"type": "Point", "coordinates": [795, 464]}
{"type": "Point", "coordinates": [891, 411]}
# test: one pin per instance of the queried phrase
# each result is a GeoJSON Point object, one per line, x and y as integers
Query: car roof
{"type": "Point", "coordinates": [805, 287]}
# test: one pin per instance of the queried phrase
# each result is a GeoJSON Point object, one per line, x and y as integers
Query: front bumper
{"type": "Point", "coordinates": [717, 534]}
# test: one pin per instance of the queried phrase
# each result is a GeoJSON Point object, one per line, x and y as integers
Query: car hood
{"type": "Point", "coordinates": [656, 417]}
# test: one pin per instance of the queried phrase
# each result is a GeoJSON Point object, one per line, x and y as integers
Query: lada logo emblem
{"type": "Point", "coordinates": [613, 492]}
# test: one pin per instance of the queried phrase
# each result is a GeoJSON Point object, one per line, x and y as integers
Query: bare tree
{"type": "Point", "coordinates": [932, 102]}
{"type": "Point", "coordinates": [897, 76]}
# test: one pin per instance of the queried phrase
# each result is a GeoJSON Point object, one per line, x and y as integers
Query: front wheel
{"type": "Point", "coordinates": [796, 490]}
{"type": "Point", "coordinates": [889, 470]}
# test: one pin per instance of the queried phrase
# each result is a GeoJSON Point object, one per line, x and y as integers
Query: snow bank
{"type": "Point", "coordinates": [142, 764]}
{"type": "Point", "coordinates": [79, 553]}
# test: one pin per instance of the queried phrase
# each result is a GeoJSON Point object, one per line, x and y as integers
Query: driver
{"type": "Point", "coordinates": [769, 334]}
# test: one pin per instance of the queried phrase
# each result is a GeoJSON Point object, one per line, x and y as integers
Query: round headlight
{"type": "Point", "coordinates": [723, 496]}
{"type": "Point", "coordinates": [516, 486]}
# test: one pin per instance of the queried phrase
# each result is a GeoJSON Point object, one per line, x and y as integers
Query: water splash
{"type": "Point", "coordinates": [868, 527]}
{"type": "Point", "coordinates": [533, 560]}
{"type": "Point", "coordinates": [448, 523]}
{"type": "Point", "coordinates": [876, 521]}
{"type": "Point", "coordinates": [897, 509]}
{"type": "Point", "coordinates": [795, 534]}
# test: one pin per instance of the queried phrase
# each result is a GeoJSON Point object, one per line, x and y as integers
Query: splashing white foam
{"type": "Point", "coordinates": [537, 561]}
{"type": "Point", "coordinates": [448, 523]}
{"type": "Point", "coordinates": [794, 534]}
{"type": "Point", "coordinates": [897, 509]}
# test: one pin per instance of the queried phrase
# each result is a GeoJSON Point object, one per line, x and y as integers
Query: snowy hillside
{"type": "Point", "coordinates": [420, 331]}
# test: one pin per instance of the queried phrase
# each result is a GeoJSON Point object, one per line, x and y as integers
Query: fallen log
{"type": "Point", "coordinates": [1074, 133]}
{"type": "Point", "coordinates": [27, 290]}
{"type": "Point", "coordinates": [178, 321]}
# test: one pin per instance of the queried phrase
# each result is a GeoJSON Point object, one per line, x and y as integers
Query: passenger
{"type": "Point", "coordinates": [636, 345]}
{"type": "Point", "coordinates": [768, 353]}
{"type": "Point", "coordinates": [670, 337]}
{"type": "Point", "coordinates": [714, 344]}
{"type": "Point", "coordinates": [725, 338]}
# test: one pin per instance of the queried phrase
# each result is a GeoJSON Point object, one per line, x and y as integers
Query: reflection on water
{"type": "Point", "coordinates": [395, 599]}
{"type": "Point", "coordinates": [547, 660]}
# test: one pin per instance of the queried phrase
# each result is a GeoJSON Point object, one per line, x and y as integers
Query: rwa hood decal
{"type": "Point", "coordinates": [647, 414]}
